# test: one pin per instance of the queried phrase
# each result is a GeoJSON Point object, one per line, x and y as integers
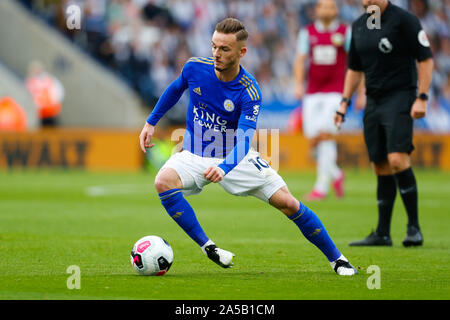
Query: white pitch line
{"type": "Point", "coordinates": [117, 189]}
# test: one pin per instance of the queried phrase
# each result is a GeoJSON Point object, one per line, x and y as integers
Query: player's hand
{"type": "Point", "coordinates": [214, 174]}
{"type": "Point", "coordinates": [299, 91]}
{"type": "Point", "coordinates": [145, 138]}
{"type": "Point", "coordinates": [419, 109]}
{"type": "Point", "coordinates": [338, 119]}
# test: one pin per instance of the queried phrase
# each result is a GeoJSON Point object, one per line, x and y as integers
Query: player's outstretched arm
{"type": "Point", "coordinates": [145, 138]}
{"type": "Point", "coordinates": [167, 100]}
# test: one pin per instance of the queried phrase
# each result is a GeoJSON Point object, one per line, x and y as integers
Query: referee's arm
{"type": "Point", "coordinates": [353, 79]}
{"type": "Point", "coordinates": [419, 46]}
{"type": "Point", "coordinates": [424, 73]}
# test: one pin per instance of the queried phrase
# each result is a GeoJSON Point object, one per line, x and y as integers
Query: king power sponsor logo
{"type": "Point", "coordinates": [209, 120]}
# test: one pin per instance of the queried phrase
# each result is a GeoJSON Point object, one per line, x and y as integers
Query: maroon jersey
{"type": "Point", "coordinates": [328, 59]}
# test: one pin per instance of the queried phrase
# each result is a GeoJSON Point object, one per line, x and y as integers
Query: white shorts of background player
{"type": "Point", "coordinates": [318, 113]}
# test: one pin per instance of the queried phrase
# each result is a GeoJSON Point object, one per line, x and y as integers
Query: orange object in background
{"type": "Point", "coordinates": [12, 116]}
{"type": "Point", "coordinates": [44, 92]}
{"type": "Point", "coordinates": [47, 92]}
{"type": "Point", "coordinates": [295, 123]}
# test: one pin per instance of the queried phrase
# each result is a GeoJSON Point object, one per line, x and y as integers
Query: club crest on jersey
{"type": "Point", "coordinates": [337, 39]}
{"type": "Point", "coordinates": [228, 105]}
{"type": "Point", "coordinates": [385, 45]}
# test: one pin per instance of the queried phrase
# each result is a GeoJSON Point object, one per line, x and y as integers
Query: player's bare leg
{"type": "Point", "coordinates": [168, 185]}
{"type": "Point", "coordinates": [312, 228]}
{"type": "Point", "coordinates": [325, 150]}
{"type": "Point", "coordinates": [167, 179]}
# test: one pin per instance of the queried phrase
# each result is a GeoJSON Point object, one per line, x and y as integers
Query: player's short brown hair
{"type": "Point", "coordinates": [232, 26]}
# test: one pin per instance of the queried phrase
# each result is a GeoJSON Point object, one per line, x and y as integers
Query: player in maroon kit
{"type": "Point", "coordinates": [324, 44]}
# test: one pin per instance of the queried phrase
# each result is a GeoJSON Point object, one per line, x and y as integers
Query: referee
{"type": "Point", "coordinates": [396, 89]}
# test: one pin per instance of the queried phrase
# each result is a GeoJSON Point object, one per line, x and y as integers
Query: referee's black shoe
{"type": "Point", "coordinates": [413, 237]}
{"type": "Point", "coordinates": [373, 239]}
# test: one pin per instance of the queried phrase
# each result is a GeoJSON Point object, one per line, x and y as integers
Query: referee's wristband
{"type": "Point", "coordinates": [347, 101]}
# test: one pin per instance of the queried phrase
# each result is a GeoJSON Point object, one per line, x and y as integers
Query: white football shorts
{"type": "Point", "coordinates": [252, 176]}
{"type": "Point", "coordinates": [318, 113]}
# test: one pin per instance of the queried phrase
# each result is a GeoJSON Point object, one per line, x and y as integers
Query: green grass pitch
{"type": "Point", "coordinates": [50, 220]}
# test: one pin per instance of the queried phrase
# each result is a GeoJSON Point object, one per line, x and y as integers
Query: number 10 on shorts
{"type": "Point", "coordinates": [259, 163]}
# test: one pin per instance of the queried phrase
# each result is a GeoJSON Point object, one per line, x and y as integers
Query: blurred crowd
{"type": "Point", "coordinates": [146, 42]}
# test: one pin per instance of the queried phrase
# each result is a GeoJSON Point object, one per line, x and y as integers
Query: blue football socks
{"type": "Point", "coordinates": [313, 230]}
{"type": "Point", "coordinates": [183, 214]}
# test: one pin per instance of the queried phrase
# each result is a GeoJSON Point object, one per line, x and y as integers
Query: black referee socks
{"type": "Point", "coordinates": [408, 190]}
{"type": "Point", "coordinates": [386, 192]}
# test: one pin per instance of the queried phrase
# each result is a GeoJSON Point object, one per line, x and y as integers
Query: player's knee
{"type": "Point", "coordinates": [285, 202]}
{"type": "Point", "coordinates": [324, 136]}
{"type": "Point", "coordinates": [163, 184]}
{"type": "Point", "coordinates": [398, 162]}
{"type": "Point", "coordinates": [167, 179]}
{"type": "Point", "coordinates": [396, 166]}
{"type": "Point", "coordinates": [382, 168]}
{"type": "Point", "coordinates": [292, 204]}
{"type": "Point", "coordinates": [289, 205]}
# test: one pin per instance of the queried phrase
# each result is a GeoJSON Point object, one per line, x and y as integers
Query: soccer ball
{"type": "Point", "coordinates": [151, 256]}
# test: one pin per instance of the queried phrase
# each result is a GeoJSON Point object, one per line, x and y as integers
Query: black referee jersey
{"type": "Point", "coordinates": [387, 56]}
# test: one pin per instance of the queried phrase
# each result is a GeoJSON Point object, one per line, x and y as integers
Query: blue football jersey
{"type": "Point", "coordinates": [216, 109]}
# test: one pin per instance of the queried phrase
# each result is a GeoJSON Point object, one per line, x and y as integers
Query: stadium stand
{"type": "Point", "coordinates": [147, 42]}
{"type": "Point", "coordinates": [94, 96]}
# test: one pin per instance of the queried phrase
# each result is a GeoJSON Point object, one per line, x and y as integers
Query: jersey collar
{"type": "Point", "coordinates": [388, 8]}
{"type": "Point", "coordinates": [334, 25]}
{"type": "Point", "coordinates": [235, 80]}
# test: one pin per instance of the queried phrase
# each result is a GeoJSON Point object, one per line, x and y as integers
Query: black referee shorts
{"type": "Point", "coordinates": [388, 126]}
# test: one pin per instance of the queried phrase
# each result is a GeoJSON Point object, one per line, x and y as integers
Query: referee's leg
{"type": "Point", "coordinates": [393, 172]}
{"type": "Point", "coordinates": [386, 192]}
{"type": "Point", "coordinates": [400, 163]}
